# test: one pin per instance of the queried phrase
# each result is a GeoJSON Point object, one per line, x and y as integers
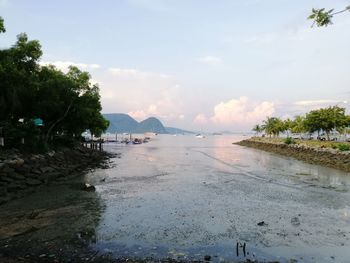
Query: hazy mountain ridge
{"type": "Point", "coordinates": [123, 123]}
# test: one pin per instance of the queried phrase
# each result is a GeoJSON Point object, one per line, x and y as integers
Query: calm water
{"type": "Point", "coordinates": [184, 197]}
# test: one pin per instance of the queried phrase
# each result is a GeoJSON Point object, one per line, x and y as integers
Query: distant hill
{"type": "Point", "coordinates": [123, 123]}
{"type": "Point", "coordinates": [172, 130]}
{"type": "Point", "coordinates": [150, 125]}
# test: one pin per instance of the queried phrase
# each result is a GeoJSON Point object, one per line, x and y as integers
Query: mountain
{"type": "Point", "coordinates": [150, 125]}
{"type": "Point", "coordinates": [123, 123]}
{"type": "Point", "coordinates": [172, 130]}
{"type": "Point", "coordinates": [120, 123]}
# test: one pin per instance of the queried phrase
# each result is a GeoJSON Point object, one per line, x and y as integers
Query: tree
{"type": "Point", "coordinates": [273, 126]}
{"type": "Point", "coordinates": [298, 125]}
{"type": "Point", "coordinates": [2, 26]}
{"type": "Point", "coordinates": [257, 129]}
{"type": "Point", "coordinates": [68, 103]}
{"type": "Point", "coordinates": [326, 119]}
{"type": "Point", "coordinates": [322, 17]}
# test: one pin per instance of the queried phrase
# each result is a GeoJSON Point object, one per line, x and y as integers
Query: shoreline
{"type": "Point", "coordinates": [327, 157]}
{"type": "Point", "coordinates": [23, 174]}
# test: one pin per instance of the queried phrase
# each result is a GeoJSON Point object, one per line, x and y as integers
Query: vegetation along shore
{"type": "Point", "coordinates": [314, 152]}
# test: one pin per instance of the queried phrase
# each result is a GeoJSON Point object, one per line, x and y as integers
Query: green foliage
{"type": "Point", "coordinates": [257, 129]}
{"type": "Point", "coordinates": [321, 120]}
{"type": "Point", "coordinates": [323, 18]}
{"type": "Point", "coordinates": [67, 103]}
{"type": "Point", "coordinates": [343, 147]}
{"type": "Point", "coordinates": [298, 125]}
{"type": "Point", "coordinates": [326, 119]}
{"type": "Point", "coordinates": [289, 140]}
{"type": "Point", "coordinates": [2, 26]}
{"type": "Point", "coordinates": [273, 126]}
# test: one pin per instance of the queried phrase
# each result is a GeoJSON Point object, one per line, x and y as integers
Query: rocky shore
{"type": "Point", "coordinates": [21, 174]}
{"type": "Point", "coordinates": [314, 155]}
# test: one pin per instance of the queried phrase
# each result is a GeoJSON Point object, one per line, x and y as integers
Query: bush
{"type": "Point", "coordinates": [344, 147]}
{"type": "Point", "coordinates": [289, 140]}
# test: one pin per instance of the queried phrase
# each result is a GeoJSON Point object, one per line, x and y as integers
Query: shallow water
{"type": "Point", "coordinates": [184, 197]}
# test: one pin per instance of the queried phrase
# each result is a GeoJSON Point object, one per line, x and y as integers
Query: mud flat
{"type": "Point", "coordinates": [314, 155]}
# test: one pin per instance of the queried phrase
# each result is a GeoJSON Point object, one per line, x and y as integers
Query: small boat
{"type": "Point", "coordinates": [200, 136]}
{"type": "Point", "coordinates": [137, 141]}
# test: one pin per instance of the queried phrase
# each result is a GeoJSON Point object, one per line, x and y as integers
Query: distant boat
{"type": "Point", "coordinates": [200, 136]}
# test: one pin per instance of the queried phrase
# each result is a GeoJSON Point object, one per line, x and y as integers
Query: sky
{"type": "Point", "coordinates": [200, 65]}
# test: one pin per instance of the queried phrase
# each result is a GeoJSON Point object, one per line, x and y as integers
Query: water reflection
{"type": "Point", "coordinates": [196, 196]}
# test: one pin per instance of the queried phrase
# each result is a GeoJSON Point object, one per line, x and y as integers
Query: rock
{"type": "Point", "coordinates": [295, 221]}
{"type": "Point", "coordinates": [16, 176]}
{"type": "Point", "coordinates": [262, 223]}
{"type": "Point", "coordinates": [3, 191]}
{"type": "Point", "coordinates": [46, 169]}
{"type": "Point", "coordinates": [207, 258]}
{"type": "Point", "coordinates": [13, 187]}
{"type": "Point", "coordinates": [89, 188]}
{"type": "Point", "coordinates": [33, 182]}
{"type": "Point", "coordinates": [6, 179]}
{"type": "Point", "coordinates": [6, 169]}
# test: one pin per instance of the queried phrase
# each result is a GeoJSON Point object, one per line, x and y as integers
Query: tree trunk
{"type": "Point", "coordinates": [47, 135]}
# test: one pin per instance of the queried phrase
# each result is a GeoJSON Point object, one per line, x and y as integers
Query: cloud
{"type": "Point", "coordinates": [152, 110]}
{"type": "Point", "coordinates": [142, 94]}
{"type": "Point", "coordinates": [134, 73]}
{"type": "Point", "coordinates": [210, 60]}
{"type": "Point", "coordinates": [200, 119]}
{"type": "Point", "coordinates": [241, 111]}
{"type": "Point", "coordinates": [64, 65]}
{"type": "Point", "coordinates": [315, 102]}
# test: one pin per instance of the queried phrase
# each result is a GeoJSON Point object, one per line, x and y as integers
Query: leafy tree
{"type": "Point", "coordinates": [326, 119]}
{"type": "Point", "coordinates": [18, 66]}
{"type": "Point", "coordinates": [68, 103]}
{"type": "Point", "coordinates": [287, 126]}
{"type": "Point", "coordinates": [298, 125]}
{"type": "Point", "coordinates": [273, 126]}
{"type": "Point", "coordinates": [323, 17]}
{"type": "Point", "coordinates": [257, 129]}
{"type": "Point", "coordinates": [2, 26]}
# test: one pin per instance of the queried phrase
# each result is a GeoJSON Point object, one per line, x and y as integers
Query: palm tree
{"type": "Point", "coordinates": [257, 128]}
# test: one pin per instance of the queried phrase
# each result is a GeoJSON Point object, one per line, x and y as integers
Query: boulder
{"type": "Point", "coordinates": [16, 176]}
{"type": "Point", "coordinates": [33, 182]}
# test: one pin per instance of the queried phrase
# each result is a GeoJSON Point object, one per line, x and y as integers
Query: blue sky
{"type": "Point", "coordinates": [196, 64]}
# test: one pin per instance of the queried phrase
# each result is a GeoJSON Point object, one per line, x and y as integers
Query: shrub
{"type": "Point", "coordinates": [289, 140]}
{"type": "Point", "coordinates": [344, 147]}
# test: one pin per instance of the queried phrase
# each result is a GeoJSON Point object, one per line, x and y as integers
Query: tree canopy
{"type": "Point", "coordinates": [321, 120]}
{"type": "Point", "coordinates": [67, 103]}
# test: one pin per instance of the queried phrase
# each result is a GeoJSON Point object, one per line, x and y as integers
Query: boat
{"type": "Point", "coordinates": [200, 136]}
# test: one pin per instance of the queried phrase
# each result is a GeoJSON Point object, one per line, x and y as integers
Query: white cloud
{"type": "Point", "coordinates": [242, 111]}
{"type": "Point", "coordinates": [134, 73]}
{"type": "Point", "coordinates": [200, 119]}
{"type": "Point", "coordinates": [64, 65]}
{"type": "Point", "coordinates": [314, 102]}
{"type": "Point", "coordinates": [141, 94]}
{"type": "Point", "coordinates": [210, 60]}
